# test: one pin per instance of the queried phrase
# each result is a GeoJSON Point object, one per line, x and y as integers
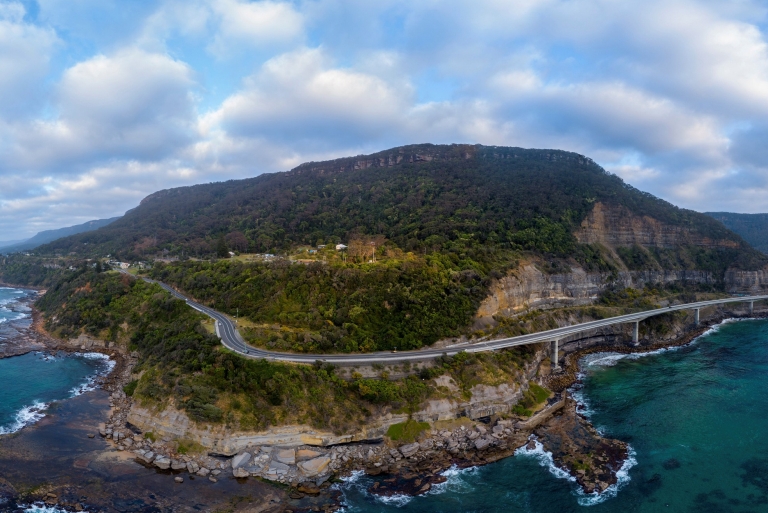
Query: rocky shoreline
{"type": "Point", "coordinates": [402, 468]}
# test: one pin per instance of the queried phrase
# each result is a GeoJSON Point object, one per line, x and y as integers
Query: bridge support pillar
{"type": "Point", "coordinates": [751, 307]}
{"type": "Point", "coordinates": [636, 333]}
{"type": "Point", "coordinates": [554, 356]}
{"type": "Point", "coordinates": [696, 316]}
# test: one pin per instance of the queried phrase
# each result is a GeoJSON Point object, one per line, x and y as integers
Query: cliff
{"type": "Point", "coordinates": [615, 225]}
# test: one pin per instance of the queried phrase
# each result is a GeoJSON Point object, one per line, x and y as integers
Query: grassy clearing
{"type": "Point", "coordinates": [532, 401]}
{"type": "Point", "coordinates": [407, 431]}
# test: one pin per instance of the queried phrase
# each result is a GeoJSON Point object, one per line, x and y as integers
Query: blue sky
{"type": "Point", "coordinates": [103, 102]}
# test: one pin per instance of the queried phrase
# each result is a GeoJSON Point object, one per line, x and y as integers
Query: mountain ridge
{"type": "Point", "coordinates": [461, 199]}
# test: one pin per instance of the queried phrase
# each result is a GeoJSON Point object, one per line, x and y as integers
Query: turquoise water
{"type": "Point", "coordinates": [696, 418]}
{"type": "Point", "coordinates": [31, 382]}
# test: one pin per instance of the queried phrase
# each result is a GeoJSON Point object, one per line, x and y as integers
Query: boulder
{"type": "Point", "coordinates": [163, 463]}
{"type": "Point", "coordinates": [178, 465]}
{"type": "Point", "coordinates": [306, 454]}
{"type": "Point", "coordinates": [409, 449]}
{"type": "Point", "coordinates": [482, 443]}
{"type": "Point", "coordinates": [240, 472]}
{"type": "Point", "coordinates": [103, 429]}
{"type": "Point", "coordinates": [178, 479]}
{"type": "Point", "coordinates": [314, 466]}
{"type": "Point", "coordinates": [309, 488]}
{"type": "Point", "coordinates": [287, 456]}
{"type": "Point", "coordinates": [203, 472]}
{"type": "Point", "coordinates": [241, 460]}
{"type": "Point", "coordinates": [147, 457]}
{"type": "Point", "coordinates": [192, 467]}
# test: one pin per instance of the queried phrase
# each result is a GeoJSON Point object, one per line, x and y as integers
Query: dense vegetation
{"type": "Point", "coordinates": [450, 199]}
{"type": "Point", "coordinates": [397, 304]}
{"type": "Point", "coordinates": [180, 362]}
{"type": "Point", "coordinates": [752, 227]}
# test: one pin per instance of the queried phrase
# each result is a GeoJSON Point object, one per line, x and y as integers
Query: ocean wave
{"type": "Point", "coordinates": [584, 499]}
{"type": "Point", "coordinates": [91, 381]}
{"type": "Point", "coordinates": [26, 416]}
{"type": "Point", "coordinates": [356, 481]}
{"type": "Point", "coordinates": [544, 458]}
{"type": "Point", "coordinates": [454, 480]}
{"type": "Point", "coordinates": [622, 478]}
{"type": "Point", "coordinates": [42, 508]}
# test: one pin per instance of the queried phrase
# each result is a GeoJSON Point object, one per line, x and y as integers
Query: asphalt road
{"type": "Point", "coordinates": [230, 337]}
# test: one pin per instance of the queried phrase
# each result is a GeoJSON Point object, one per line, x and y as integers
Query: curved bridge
{"type": "Point", "coordinates": [226, 329]}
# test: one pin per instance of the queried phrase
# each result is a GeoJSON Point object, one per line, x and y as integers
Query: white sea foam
{"type": "Point", "coordinates": [42, 508]}
{"type": "Point", "coordinates": [90, 381]}
{"type": "Point", "coordinates": [24, 417]}
{"type": "Point", "coordinates": [584, 499]}
{"type": "Point", "coordinates": [355, 481]}
{"type": "Point", "coordinates": [544, 458]}
{"type": "Point", "coordinates": [455, 481]}
{"type": "Point", "coordinates": [622, 478]}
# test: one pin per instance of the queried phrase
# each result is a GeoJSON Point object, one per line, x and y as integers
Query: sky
{"type": "Point", "coordinates": [103, 102]}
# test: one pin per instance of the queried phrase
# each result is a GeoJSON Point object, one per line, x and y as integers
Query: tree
{"type": "Point", "coordinates": [222, 251]}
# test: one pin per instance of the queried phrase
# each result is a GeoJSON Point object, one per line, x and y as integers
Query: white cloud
{"type": "Point", "coordinates": [25, 53]}
{"type": "Point", "coordinates": [133, 104]}
{"type": "Point", "coordinates": [254, 24]}
{"type": "Point", "coordinates": [301, 97]}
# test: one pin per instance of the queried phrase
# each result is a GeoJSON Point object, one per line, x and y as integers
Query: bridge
{"type": "Point", "coordinates": [226, 329]}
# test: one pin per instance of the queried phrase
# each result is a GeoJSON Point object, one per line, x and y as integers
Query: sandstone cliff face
{"type": "Point", "coordinates": [527, 287]}
{"type": "Point", "coordinates": [615, 226]}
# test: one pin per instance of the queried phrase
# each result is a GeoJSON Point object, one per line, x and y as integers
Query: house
{"type": "Point", "coordinates": [321, 246]}
{"type": "Point", "coordinates": [340, 247]}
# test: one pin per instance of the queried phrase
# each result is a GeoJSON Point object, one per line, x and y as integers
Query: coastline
{"type": "Point", "coordinates": [411, 469]}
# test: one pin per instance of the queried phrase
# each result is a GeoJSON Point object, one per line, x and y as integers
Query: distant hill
{"type": "Point", "coordinates": [467, 201]}
{"type": "Point", "coordinates": [47, 236]}
{"type": "Point", "coordinates": [752, 227]}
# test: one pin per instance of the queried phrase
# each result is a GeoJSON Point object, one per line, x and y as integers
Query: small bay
{"type": "Point", "coordinates": [31, 382]}
{"type": "Point", "coordinates": [694, 417]}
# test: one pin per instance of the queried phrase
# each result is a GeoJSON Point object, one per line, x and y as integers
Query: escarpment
{"type": "Point", "coordinates": [616, 226]}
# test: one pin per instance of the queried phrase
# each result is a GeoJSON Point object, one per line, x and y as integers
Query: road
{"type": "Point", "coordinates": [230, 337]}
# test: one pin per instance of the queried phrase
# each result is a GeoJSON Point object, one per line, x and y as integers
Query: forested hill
{"type": "Point", "coordinates": [752, 227]}
{"type": "Point", "coordinates": [459, 199]}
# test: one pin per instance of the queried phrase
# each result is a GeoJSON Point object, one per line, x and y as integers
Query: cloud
{"type": "Point", "coordinates": [672, 95]}
{"type": "Point", "coordinates": [133, 105]}
{"type": "Point", "coordinates": [25, 53]}
{"type": "Point", "coordinates": [254, 25]}
{"type": "Point", "coordinates": [301, 97]}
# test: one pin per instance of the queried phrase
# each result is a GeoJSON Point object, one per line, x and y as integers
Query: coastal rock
{"type": "Point", "coordinates": [192, 467]}
{"type": "Point", "coordinates": [178, 465]}
{"type": "Point", "coordinates": [103, 429]}
{"type": "Point", "coordinates": [203, 472]}
{"type": "Point", "coordinates": [314, 466]}
{"type": "Point", "coordinates": [409, 449]}
{"type": "Point", "coordinates": [482, 443]}
{"type": "Point", "coordinates": [178, 479]}
{"type": "Point", "coordinates": [306, 454]}
{"type": "Point", "coordinates": [163, 463]}
{"type": "Point", "coordinates": [241, 460]}
{"type": "Point", "coordinates": [240, 472]}
{"type": "Point", "coordinates": [287, 456]}
{"type": "Point", "coordinates": [147, 457]}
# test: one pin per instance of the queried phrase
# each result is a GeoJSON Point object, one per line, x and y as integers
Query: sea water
{"type": "Point", "coordinates": [30, 383]}
{"type": "Point", "coordinates": [696, 419]}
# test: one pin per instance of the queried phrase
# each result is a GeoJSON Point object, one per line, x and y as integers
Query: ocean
{"type": "Point", "coordinates": [696, 418]}
{"type": "Point", "coordinates": [30, 383]}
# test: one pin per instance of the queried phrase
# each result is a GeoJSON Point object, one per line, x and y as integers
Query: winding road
{"type": "Point", "coordinates": [226, 329]}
